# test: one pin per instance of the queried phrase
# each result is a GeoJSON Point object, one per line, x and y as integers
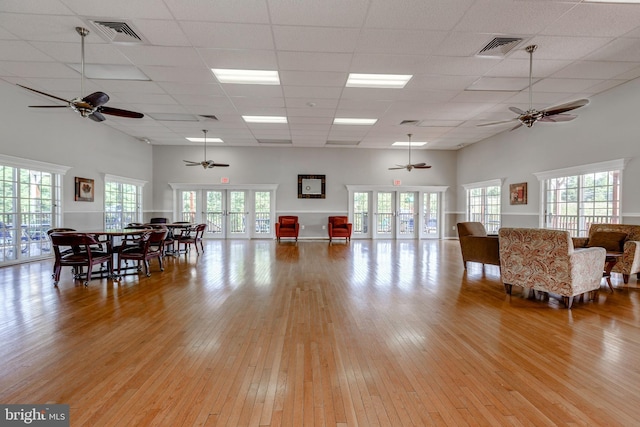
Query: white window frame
{"type": "Point", "coordinates": [491, 226]}
{"type": "Point", "coordinates": [57, 173]}
{"type": "Point", "coordinates": [582, 222]}
{"type": "Point", "coordinates": [138, 184]}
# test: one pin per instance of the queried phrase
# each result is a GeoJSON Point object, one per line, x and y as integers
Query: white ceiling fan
{"type": "Point", "coordinates": [409, 166]}
{"type": "Point", "coordinates": [206, 163]}
{"type": "Point", "coordinates": [551, 114]}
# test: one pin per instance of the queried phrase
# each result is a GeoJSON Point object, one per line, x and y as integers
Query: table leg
{"type": "Point", "coordinates": [608, 266]}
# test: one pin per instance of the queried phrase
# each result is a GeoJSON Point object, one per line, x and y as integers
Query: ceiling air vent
{"type": "Point", "coordinates": [275, 141]}
{"type": "Point", "coordinates": [209, 116]}
{"type": "Point", "coordinates": [116, 31]}
{"type": "Point", "coordinates": [500, 46]}
{"type": "Point", "coordinates": [410, 122]}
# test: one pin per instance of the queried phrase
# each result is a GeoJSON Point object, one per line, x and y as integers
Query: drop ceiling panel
{"type": "Point", "coordinates": [416, 14]}
{"type": "Point", "coordinates": [407, 42]}
{"type": "Point", "coordinates": [254, 11]}
{"type": "Point", "coordinates": [314, 61]}
{"type": "Point", "coordinates": [316, 39]}
{"type": "Point", "coordinates": [329, 13]}
{"type": "Point", "coordinates": [596, 20]}
{"type": "Point", "coordinates": [239, 59]}
{"type": "Point", "coordinates": [505, 17]}
{"type": "Point", "coordinates": [584, 49]}
{"type": "Point", "coordinates": [229, 36]}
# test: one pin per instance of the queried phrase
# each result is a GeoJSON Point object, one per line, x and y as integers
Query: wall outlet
{"type": "Point", "coordinates": [302, 227]}
{"type": "Point", "coordinates": [453, 227]}
{"type": "Point", "coordinates": [324, 227]}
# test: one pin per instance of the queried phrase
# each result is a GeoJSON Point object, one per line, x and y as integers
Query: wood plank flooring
{"type": "Point", "coordinates": [370, 333]}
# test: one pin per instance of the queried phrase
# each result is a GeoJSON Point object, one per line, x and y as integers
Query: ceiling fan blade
{"type": "Point", "coordinates": [120, 113]}
{"type": "Point", "coordinates": [96, 99]}
{"type": "Point", "coordinates": [422, 166]}
{"type": "Point", "coordinates": [217, 165]}
{"type": "Point", "coordinates": [48, 106]}
{"type": "Point", "coordinates": [558, 118]}
{"type": "Point", "coordinates": [563, 108]}
{"type": "Point", "coordinates": [46, 94]}
{"type": "Point", "coordinates": [516, 110]}
{"type": "Point", "coordinates": [403, 167]}
{"type": "Point", "coordinates": [96, 117]}
{"type": "Point", "coordinates": [498, 123]}
{"type": "Point", "coordinates": [191, 162]}
{"type": "Point", "coordinates": [515, 127]}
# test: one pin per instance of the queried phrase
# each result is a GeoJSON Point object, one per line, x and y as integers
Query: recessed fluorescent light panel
{"type": "Point", "coordinates": [386, 81]}
{"type": "Point", "coordinates": [265, 119]}
{"type": "Point", "coordinates": [406, 143]}
{"type": "Point", "coordinates": [201, 139]}
{"type": "Point", "coordinates": [247, 77]}
{"type": "Point", "coordinates": [612, 1]}
{"type": "Point", "coordinates": [347, 121]}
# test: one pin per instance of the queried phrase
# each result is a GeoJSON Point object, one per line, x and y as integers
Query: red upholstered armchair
{"type": "Point", "coordinates": [339, 226]}
{"type": "Point", "coordinates": [287, 226]}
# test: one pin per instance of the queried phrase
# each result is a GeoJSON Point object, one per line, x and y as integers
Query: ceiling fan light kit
{"type": "Point", "coordinates": [206, 164]}
{"type": "Point", "coordinates": [91, 106]}
{"type": "Point", "coordinates": [410, 166]}
{"type": "Point", "coordinates": [531, 116]}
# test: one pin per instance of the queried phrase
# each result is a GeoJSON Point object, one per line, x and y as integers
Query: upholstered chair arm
{"type": "Point", "coordinates": [349, 227]}
{"type": "Point", "coordinates": [580, 242]}
{"type": "Point", "coordinates": [483, 249]}
{"type": "Point", "coordinates": [586, 268]}
{"type": "Point", "coordinates": [297, 227]}
{"type": "Point", "coordinates": [277, 227]}
{"type": "Point", "coordinates": [630, 261]}
{"type": "Point", "coordinates": [330, 228]}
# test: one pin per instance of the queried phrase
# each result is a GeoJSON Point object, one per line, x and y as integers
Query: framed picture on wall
{"type": "Point", "coordinates": [311, 186]}
{"type": "Point", "coordinates": [518, 193]}
{"type": "Point", "coordinates": [84, 189]}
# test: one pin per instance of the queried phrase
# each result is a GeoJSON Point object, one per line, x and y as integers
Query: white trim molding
{"type": "Point", "coordinates": [490, 183]}
{"type": "Point", "coordinates": [19, 162]}
{"type": "Point", "coordinates": [610, 165]}
{"type": "Point", "coordinates": [254, 187]}
{"type": "Point", "coordinates": [124, 180]}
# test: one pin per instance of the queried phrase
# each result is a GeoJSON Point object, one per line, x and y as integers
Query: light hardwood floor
{"type": "Point", "coordinates": [312, 334]}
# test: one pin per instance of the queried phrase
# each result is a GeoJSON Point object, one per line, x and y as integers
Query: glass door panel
{"type": "Point", "coordinates": [385, 214]}
{"type": "Point", "coordinates": [214, 213]}
{"type": "Point", "coordinates": [188, 207]}
{"type": "Point", "coordinates": [361, 215]}
{"type": "Point", "coordinates": [262, 213]}
{"type": "Point", "coordinates": [237, 214]}
{"type": "Point", "coordinates": [406, 215]}
{"type": "Point", "coordinates": [430, 209]}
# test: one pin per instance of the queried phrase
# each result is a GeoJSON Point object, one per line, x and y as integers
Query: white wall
{"type": "Point", "coordinates": [62, 137]}
{"type": "Point", "coordinates": [607, 129]}
{"type": "Point", "coordinates": [281, 166]}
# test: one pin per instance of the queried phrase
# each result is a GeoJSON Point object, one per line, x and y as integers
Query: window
{"type": "Point", "coordinates": [30, 194]}
{"type": "Point", "coordinates": [122, 202]}
{"type": "Point", "coordinates": [483, 204]}
{"type": "Point", "coordinates": [575, 198]}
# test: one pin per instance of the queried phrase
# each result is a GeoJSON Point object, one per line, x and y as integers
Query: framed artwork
{"type": "Point", "coordinates": [84, 189]}
{"type": "Point", "coordinates": [518, 193]}
{"type": "Point", "coordinates": [311, 186]}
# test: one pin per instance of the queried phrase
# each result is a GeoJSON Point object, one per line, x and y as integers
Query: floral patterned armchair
{"type": "Point", "coordinates": [545, 261]}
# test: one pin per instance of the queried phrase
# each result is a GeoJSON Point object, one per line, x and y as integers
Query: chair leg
{"type": "Point", "coordinates": [507, 287]}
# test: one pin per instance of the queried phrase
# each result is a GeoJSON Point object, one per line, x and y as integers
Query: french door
{"type": "Point", "coordinates": [395, 213]}
{"type": "Point", "coordinates": [230, 213]}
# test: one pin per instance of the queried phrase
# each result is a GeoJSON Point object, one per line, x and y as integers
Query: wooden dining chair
{"type": "Point", "coordinates": [191, 236]}
{"type": "Point", "coordinates": [77, 250]}
{"type": "Point", "coordinates": [148, 246]}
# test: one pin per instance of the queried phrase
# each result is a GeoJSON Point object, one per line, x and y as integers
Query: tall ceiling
{"type": "Point", "coordinates": [583, 49]}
